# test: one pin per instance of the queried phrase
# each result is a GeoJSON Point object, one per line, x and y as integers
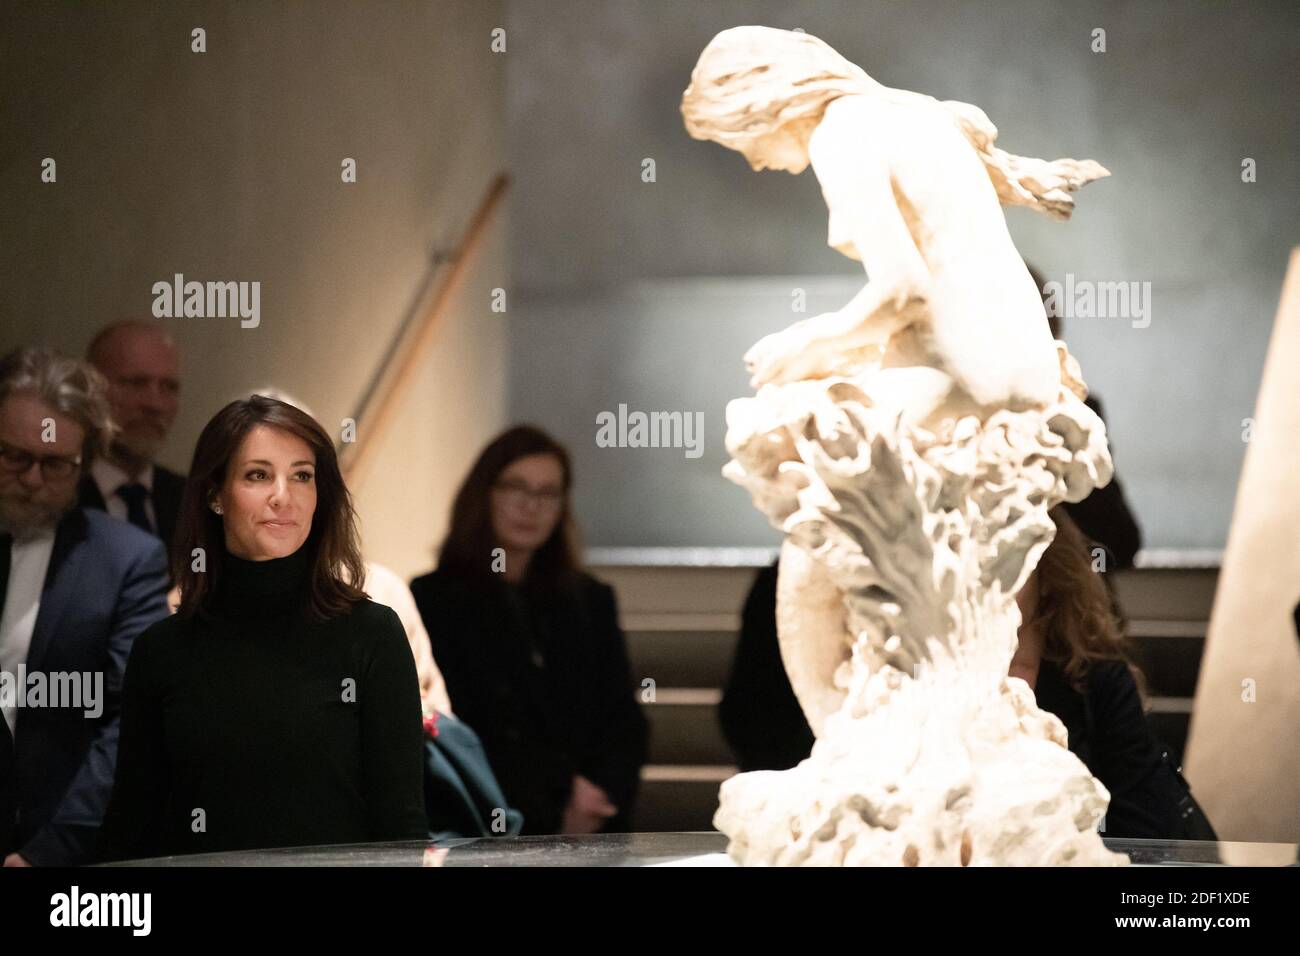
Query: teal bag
{"type": "Point", "coordinates": [461, 795]}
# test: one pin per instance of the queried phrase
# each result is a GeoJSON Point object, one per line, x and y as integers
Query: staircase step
{"type": "Point", "coordinates": [1170, 663]}
{"type": "Point", "coordinates": [685, 658]}
{"type": "Point", "coordinates": [684, 727]}
{"type": "Point", "coordinates": [679, 590]}
{"type": "Point", "coordinates": [1181, 594]}
{"type": "Point", "coordinates": [677, 798]}
{"type": "Point", "coordinates": [1177, 594]}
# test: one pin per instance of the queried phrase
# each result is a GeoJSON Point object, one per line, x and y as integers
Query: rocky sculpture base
{"type": "Point", "coordinates": [906, 542]}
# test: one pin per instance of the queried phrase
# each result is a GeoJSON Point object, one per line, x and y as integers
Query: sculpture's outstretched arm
{"type": "Point", "coordinates": [817, 347]}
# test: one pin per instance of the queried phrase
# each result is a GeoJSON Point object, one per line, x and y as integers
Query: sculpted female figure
{"type": "Point", "coordinates": [909, 446]}
{"type": "Point", "coordinates": [913, 186]}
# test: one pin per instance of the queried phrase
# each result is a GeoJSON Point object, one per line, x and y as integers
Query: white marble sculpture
{"type": "Point", "coordinates": [909, 445]}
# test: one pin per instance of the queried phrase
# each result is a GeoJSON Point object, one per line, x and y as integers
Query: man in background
{"type": "Point", "coordinates": [76, 588]}
{"type": "Point", "coordinates": [141, 364]}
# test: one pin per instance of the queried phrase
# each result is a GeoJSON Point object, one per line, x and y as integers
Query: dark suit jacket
{"type": "Point", "coordinates": [168, 488]}
{"type": "Point", "coordinates": [540, 726]}
{"type": "Point", "coordinates": [106, 583]}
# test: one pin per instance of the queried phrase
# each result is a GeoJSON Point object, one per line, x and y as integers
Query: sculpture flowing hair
{"type": "Point", "coordinates": [752, 81]}
{"type": "Point", "coordinates": [1074, 612]}
{"type": "Point", "coordinates": [336, 572]}
{"type": "Point", "coordinates": [467, 548]}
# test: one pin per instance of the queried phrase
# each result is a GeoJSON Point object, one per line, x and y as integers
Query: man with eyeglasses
{"type": "Point", "coordinates": [76, 588]}
{"type": "Point", "coordinates": [140, 362]}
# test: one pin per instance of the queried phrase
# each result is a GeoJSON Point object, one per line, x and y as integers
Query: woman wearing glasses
{"type": "Point", "coordinates": [530, 645]}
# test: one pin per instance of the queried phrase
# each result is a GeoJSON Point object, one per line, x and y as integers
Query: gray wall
{"type": "Point", "coordinates": [631, 292]}
{"type": "Point", "coordinates": [225, 165]}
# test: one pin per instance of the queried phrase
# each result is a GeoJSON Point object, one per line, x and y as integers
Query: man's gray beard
{"type": "Point", "coordinates": [27, 522]}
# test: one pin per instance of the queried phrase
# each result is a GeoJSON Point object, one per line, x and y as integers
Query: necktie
{"type": "Point", "coordinates": [6, 553]}
{"type": "Point", "coordinates": [134, 496]}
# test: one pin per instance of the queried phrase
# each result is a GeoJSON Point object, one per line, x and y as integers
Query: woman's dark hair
{"type": "Point", "coordinates": [336, 572]}
{"type": "Point", "coordinates": [1074, 609]}
{"type": "Point", "coordinates": [467, 549]}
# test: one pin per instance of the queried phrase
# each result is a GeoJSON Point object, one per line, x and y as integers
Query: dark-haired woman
{"type": "Point", "coordinates": [1074, 657]}
{"type": "Point", "coordinates": [278, 706]}
{"type": "Point", "coordinates": [530, 645]}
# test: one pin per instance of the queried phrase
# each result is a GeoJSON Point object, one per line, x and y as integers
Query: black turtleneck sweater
{"type": "Point", "coordinates": [255, 726]}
